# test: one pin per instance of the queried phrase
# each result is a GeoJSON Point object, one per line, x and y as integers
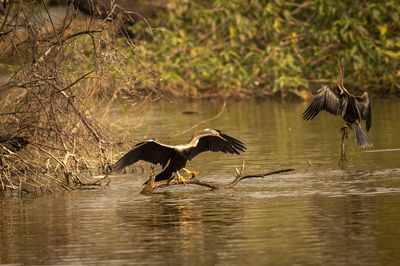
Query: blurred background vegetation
{"type": "Point", "coordinates": [240, 49]}
{"type": "Point", "coordinates": [260, 48]}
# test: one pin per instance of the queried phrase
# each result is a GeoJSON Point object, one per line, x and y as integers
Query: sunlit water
{"type": "Point", "coordinates": [319, 214]}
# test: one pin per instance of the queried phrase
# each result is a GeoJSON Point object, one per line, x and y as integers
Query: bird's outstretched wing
{"type": "Point", "coordinates": [326, 99]}
{"type": "Point", "coordinates": [221, 143]}
{"type": "Point", "coordinates": [149, 151]}
{"type": "Point", "coordinates": [364, 107]}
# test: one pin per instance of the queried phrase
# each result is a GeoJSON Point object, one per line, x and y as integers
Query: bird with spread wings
{"type": "Point", "coordinates": [340, 101]}
{"type": "Point", "coordinates": [177, 156]}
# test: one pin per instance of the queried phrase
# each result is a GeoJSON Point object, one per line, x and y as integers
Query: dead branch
{"type": "Point", "coordinates": [151, 185]}
{"type": "Point", "coordinates": [200, 123]}
{"type": "Point", "coordinates": [89, 32]}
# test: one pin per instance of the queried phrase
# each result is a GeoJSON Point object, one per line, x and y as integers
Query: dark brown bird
{"type": "Point", "coordinates": [177, 156]}
{"type": "Point", "coordinates": [340, 101]}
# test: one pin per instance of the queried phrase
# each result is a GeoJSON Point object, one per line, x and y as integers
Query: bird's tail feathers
{"type": "Point", "coordinates": [361, 137]}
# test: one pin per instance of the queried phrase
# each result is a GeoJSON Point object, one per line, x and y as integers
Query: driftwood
{"type": "Point", "coordinates": [151, 185]}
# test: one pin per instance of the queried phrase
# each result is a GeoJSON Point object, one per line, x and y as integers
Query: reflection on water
{"type": "Point", "coordinates": [323, 214]}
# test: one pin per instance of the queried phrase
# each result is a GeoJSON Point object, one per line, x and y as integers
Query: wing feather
{"type": "Point", "coordinates": [236, 143]}
{"type": "Point", "coordinates": [216, 144]}
{"type": "Point", "coordinates": [364, 107]}
{"type": "Point", "coordinates": [326, 99]}
{"type": "Point", "coordinates": [149, 151]}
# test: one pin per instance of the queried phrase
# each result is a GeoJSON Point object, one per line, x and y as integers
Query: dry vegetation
{"type": "Point", "coordinates": [60, 73]}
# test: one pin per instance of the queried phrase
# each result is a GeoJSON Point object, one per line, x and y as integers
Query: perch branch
{"type": "Point", "coordinates": [152, 185]}
{"type": "Point", "coordinates": [343, 146]}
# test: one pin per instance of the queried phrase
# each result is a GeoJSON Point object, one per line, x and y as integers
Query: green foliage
{"type": "Point", "coordinates": [274, 47]}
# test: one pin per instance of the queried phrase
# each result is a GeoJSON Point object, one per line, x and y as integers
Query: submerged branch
{"type": "Point", "coordinates": [152, 185]}
{"type": "Point", "coordinates": [200, 123]}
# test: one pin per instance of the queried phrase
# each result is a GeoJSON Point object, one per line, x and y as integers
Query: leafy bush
{"type": "Point", "coordinates": [276, 47]}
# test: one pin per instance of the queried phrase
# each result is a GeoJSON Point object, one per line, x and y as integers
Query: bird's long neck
{"type": "Point", "coordinates": [193, 142]}
{"type": "Point", "coordinates": [340, 77]}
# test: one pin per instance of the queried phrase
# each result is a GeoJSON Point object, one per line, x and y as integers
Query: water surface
{"type": "Point", "coordinates": [319, 214]}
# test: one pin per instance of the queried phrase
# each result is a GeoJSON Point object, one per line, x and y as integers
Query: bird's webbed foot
{"type": "Point", "coordinates": [180, 178]}
{"type": "Point", "coordinates": [193, 174]}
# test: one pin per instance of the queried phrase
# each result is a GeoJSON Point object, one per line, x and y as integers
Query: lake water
{"type": "Point", "coordinates": [320, 214]}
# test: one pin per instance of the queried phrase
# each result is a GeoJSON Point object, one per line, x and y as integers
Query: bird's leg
{"type": "Point", "coordinates": [187, 172]}
{"type": "Point", "coordinates": [180, 178]}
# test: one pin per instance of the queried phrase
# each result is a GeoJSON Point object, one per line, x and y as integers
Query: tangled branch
{"type": "Point", "coordinates": [59, 71]}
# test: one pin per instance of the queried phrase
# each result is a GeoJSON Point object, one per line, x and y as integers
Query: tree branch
{"type": "Point", "coordinates": [151, 185]}
{"type": "Point", "coordinates": [200, 123]}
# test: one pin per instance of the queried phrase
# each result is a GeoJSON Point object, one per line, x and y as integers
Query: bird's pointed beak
{"type": "Point", "coordinates": [219, 136]}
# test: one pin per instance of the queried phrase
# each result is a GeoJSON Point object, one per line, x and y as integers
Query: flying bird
{"type": "Point", "coordinates": [177, 156]}
{"type": "Point", "coordinates": [340, 101]}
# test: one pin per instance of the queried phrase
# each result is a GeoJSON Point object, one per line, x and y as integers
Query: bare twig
{"type": "Point", "coordinates": [77, 80]}
{"type": "Point", "coordinates": [89, 32]}
{"type": "Point", "coordinates": [200, 123]}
